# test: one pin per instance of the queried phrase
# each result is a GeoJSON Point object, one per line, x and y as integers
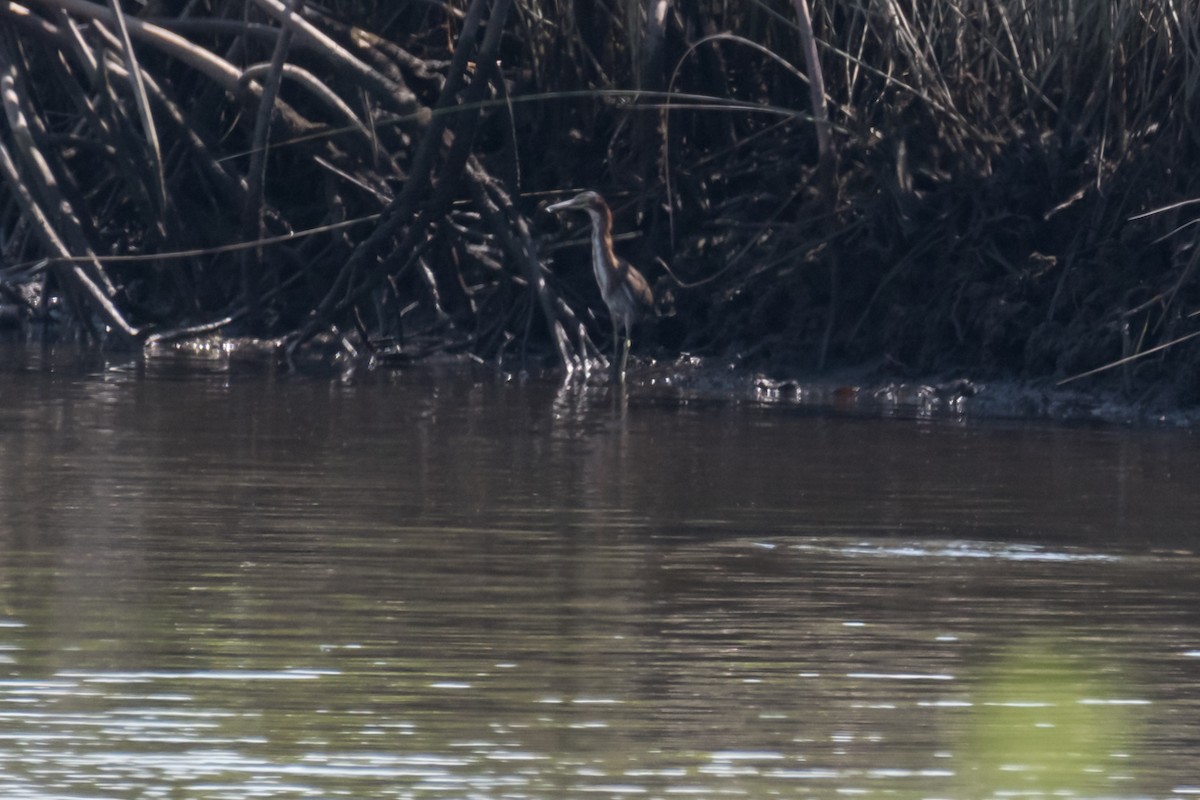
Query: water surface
{"type": "Point", "coordinates": [219, 579]}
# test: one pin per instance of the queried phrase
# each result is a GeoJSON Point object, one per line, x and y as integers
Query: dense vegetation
{"type": "Point", "coordinates": [970, 191]}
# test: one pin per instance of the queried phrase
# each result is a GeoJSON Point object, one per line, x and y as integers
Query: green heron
{"type": "Point", "coordinates": [622, 287]}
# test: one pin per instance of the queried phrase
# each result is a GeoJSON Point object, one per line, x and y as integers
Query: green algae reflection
{"type": "Point", "coordinates": [1049, 722]}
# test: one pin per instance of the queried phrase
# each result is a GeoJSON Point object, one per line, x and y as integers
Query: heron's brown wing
{"type": "Point", "coordinates": [638, 289]}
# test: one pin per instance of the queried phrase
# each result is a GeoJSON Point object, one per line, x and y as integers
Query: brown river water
{"type": "Point", "coordinates": [221, 579]}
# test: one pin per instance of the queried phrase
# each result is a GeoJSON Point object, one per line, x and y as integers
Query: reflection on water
{"type": "Point", "coordinates": [220, 581]}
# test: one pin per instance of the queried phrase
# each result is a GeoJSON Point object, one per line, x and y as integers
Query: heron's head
{"type": "Point", "coordinates": [584, 201]}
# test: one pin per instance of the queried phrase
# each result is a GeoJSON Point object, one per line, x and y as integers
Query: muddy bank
{"type": "Point", "coordinates": [863, 391]}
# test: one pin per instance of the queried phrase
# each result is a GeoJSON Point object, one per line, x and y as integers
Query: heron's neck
{"type": "Point", "coordinates": [604, 260]}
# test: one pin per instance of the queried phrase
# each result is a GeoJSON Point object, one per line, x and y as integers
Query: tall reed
{"type": "Point", "coordinates": [987, 160]}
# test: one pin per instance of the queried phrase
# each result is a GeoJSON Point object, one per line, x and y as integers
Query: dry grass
{"type": "Point", "coordinates": [985, 161]}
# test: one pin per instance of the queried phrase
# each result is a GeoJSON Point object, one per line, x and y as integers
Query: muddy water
{"type": "Point", "coordinates": [221, 580]}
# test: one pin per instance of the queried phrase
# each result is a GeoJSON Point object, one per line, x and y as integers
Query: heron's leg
{"type": "Point", "coordinates": [625, 354]}
{"type": "Point", "coordinates": [616, 343]}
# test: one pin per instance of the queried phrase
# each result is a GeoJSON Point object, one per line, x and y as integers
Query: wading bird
{"type": "Point", "coordinates": [622, 287]}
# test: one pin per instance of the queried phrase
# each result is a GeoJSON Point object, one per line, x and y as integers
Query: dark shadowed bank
{"type": "Point", "coordinates": [1000, 191]}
